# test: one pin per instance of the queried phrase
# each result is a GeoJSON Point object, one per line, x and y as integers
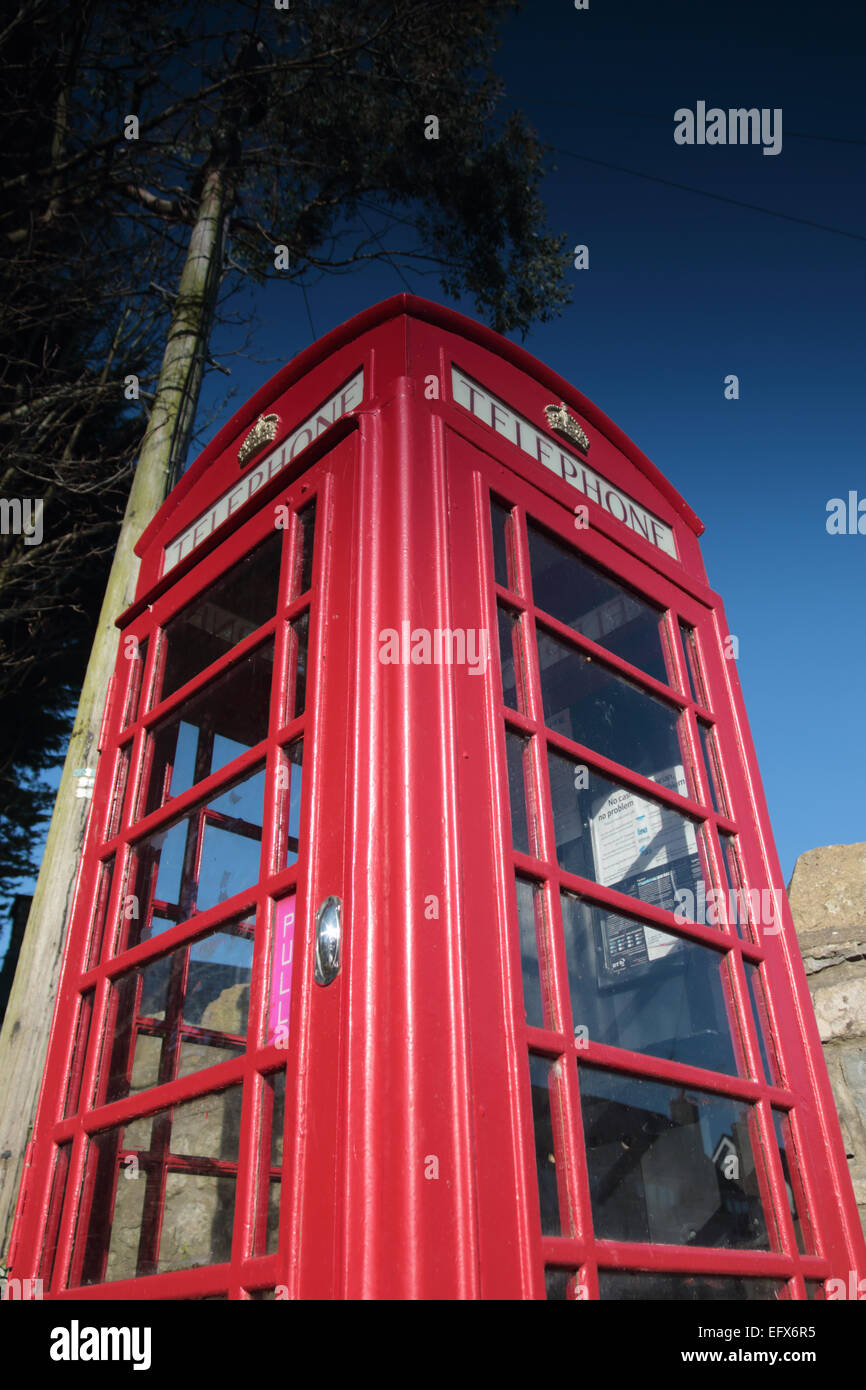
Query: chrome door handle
{"type": "Point", "coordinates": [329, 933]}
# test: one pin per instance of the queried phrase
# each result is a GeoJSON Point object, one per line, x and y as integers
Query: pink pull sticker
{"type": "Point", "coordinates": [281, 971]}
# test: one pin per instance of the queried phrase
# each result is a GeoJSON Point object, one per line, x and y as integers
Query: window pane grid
{"type": "Point", "coordinates": [580, 642]}
{"type": "Point", "coordinates": [752, 1088]}
{"type": "Point", "coordinates": [704, 793]}
{"type": "Point", "coordinates": [186, 921]}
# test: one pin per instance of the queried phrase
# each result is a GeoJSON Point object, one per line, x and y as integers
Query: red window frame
{"type": "Point", "coordinates": [476, 479]}
{"type": "Point", "coordinates": [63, 1162]}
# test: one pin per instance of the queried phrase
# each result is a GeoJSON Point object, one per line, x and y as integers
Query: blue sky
{"type": "Point", "coordinates": [682, 290]}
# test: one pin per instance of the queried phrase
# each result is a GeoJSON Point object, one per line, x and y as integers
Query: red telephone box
{"type": "Point", "coordinates": [429, 939]}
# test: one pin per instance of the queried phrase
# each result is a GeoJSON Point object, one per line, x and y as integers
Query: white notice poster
{"type": "Point", "coordinates": [631, 835]}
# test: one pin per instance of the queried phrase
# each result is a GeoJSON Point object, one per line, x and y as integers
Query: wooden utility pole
{"type": "Point", "coordinates": [24, 1038]}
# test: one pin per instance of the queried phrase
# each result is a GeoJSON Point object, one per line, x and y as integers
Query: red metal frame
{"type": "Point", "coordinates": [408, 1166]}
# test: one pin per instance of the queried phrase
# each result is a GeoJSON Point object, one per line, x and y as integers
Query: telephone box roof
{"type": "Point", "coordinates": [425, 310]}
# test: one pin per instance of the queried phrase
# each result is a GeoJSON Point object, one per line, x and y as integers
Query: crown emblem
{"type": "Point", "coordinates": [262, 433]}
{"type": "Point", "coordinates": [560, 420]}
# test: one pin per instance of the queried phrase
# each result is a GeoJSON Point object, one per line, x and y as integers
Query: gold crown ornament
{"type": "Point", "coordinates": [263, 432]}
{"type": "Point", "coordinates": [562, 422]}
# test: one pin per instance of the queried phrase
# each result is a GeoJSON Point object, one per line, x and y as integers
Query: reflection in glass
{"type": "Point", "coordinates": [610, 834]}
{"type": "Point", "coordinates": [291, 783]}
{"type": "Point", "coordinates": [186, 1011]}
{"type": "Point", "coordinates": [560, 1285]}
{"type": "Point", "coordinates": [100, 911]}
{"type": "Point", "coordinates": [766, 1042]}
{"type": "Point", "coordinates": [542, 1080]}
{"type": "Point", "coordinates": [574, 592]}
{"type": "Point", "coordinates": [510, 660]}
{"type": "Point", "coordinates": [517, 757]}
{"type": "Point", "coordinates": [227, 718]}
{"type": "Point", "coordinates": [79, 1053]}
{"type": "Point", "coordinates": [737, 900]}
{"type": "Point", "coordinates": [711, 766]}
{"type": "Point", "coordinates": [669, 1164]}
{"type": "Point", "coordinates": [631, 1285]}
{"type": "Point", "coordinates": [118, 793]}
{"type": "Point", "coordinates": [500, 519]}
{"type": "Point", "coordinates": [585, 701]}
{"type": "Point", "coordinates": [693, 670]}
{"type": "Point", "coordinates": [793, 1184]}
{"type": "Point", "coordinates": [161, 1192]}
{"type": "Point", "coordinates": [199, 861]}
{"type": "Point", "coordinates": [222, 616]}
{"type": "Point", "coordinates": [637, 987]}
{"type": "Point", "coordinates": [530, 919]}
{"type": "Point", "coordinates": [56, 1199]}
{"type": "Point", "coordinates": [266, 1231]}
{"type": "Point", "coordinates": [138, 659]}
{"type": "Point", "coordinates": [304, 562]}
{"type": "Point", "coordinates": [296, 674]}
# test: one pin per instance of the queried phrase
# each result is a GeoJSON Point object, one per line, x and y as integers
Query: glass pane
{"type": "Point", "coordinates": [541, 1081]}
{"type": "Point", "coordinates": [227, 718]}
{"type": "Point", "coordinates": [136, 653]}
{"type": "Point", "coordinates": [231, 842]}
{"type": "Point", "coordinates": [608, 833]}
{"type": "Point", "coordinates": [79, 1053]}
{"type": "Point", "coordinates": [693, 670]}
{"type": "Point", "coordinates": [686, 1288]}
{"type": "Point", "coordinates": [500, 518]}
{"type": "Point", "coordinates": [737, 902]}
{"type": "Point", "coordinates": [560, 1285]}
{"type": "Point", "coordinates": [222, 616]}
{"type": "Point", "coordinates": [97, 931]}
{"type": "Point", "coordinates": [585, 701]}
{"type": "Point", "coordinates": [577, 594]}
{"type": "Point", "coordinates": [209, 1242]}
{"type": "Point", "coordinates": [711, 767]}
{"type": "Point", "coordinates": [637, 987]}
{"type": "Point", "coordinates": [148, 1213]}
{"type": "Point", "coordinates": [303, 577]}
{"type": "Point", "coordinates": [296, 673]}
{"type": "Point", "coordinates": [530, 918]}
{"type": "Point", "coordinates": [670, 1165]}
{"type": "Point", "coordinates": [803, 1232]}
{"type": "Point", "coordinates": [517, 756]}
{"type": "Point", "coordinates": [199, 861]}
{"type": "Point", "coordinates": [207, 1127]}
{"type": "Point", "coordinates": [511, 660]}
{"type": "Point", "coordinates": [747, 908]}
{"type": "Point", "coordinates": [270, 1163]}
{"type": "Point", "coordinates": [291, 779]}
{"type": "Point", "coordinates": [186, 1011]}
{"type": "Point", "coordinates": [118, 793]}
{"type": "Point", "coordinates": [62, 1155]}
{"type": "Point", "coordinates": [766, 1041]}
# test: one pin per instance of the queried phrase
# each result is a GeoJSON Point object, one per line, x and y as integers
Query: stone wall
{"type": "Point", "coordinates": [828, 900]}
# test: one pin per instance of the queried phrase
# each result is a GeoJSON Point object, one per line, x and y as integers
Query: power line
{"type": "Point", "coordinates": [704, 193]}
{"type": "Point", "coordinates": [391, 263]}
{"type": "Point", "coordinates": [309, 315]}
